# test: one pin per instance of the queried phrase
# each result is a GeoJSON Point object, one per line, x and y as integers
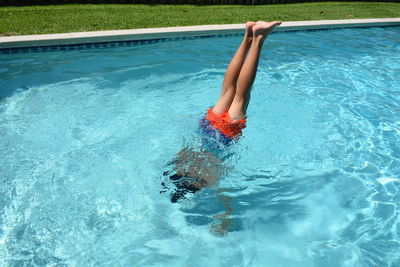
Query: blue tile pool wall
{"type": "Point", "coordinates": [128, 43]}
{"type": "Point", "coordinates": [106, 44]}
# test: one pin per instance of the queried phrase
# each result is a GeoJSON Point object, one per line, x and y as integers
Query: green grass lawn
{"type": "Point", "coordinates": [76, 18]}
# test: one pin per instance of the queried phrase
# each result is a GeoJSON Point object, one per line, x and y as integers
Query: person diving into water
{"type": "Point", "coordinates": [194, 169]}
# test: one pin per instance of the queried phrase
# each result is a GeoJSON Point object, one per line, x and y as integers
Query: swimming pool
{"type": "Point", "coordinates": [314, 181]}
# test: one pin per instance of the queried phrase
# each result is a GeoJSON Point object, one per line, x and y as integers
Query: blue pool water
{"type": "Point", "coordinates": [86, 135]}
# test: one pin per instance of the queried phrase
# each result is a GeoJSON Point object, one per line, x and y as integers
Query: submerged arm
{"type": "Point", "coordinates": [222, 227]}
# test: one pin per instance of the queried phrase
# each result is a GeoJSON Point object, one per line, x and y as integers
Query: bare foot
{"type": "Point", "coordinates": [262, 29]}
{"type": "Point", "coordinates": [248, 26]}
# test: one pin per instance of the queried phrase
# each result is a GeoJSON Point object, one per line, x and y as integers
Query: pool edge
{"type": "Point", "coordinates": [168, 32]}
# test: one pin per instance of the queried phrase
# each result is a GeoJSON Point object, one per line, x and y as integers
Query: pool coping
{"type": "Point", "coordinates": [168, 32]}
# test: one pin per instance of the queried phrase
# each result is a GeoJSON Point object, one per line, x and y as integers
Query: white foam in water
{"type": "Point", "coordinates": [86, 136]}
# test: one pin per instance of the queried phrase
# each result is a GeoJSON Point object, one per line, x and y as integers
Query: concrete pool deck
{"type": "Point", "coordinates": [168, 32]}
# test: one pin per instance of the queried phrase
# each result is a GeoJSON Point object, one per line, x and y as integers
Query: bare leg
{"type": "Point", "coordinates": [232, 72]}
{"type": "Point", "coordinates": [248, 72]}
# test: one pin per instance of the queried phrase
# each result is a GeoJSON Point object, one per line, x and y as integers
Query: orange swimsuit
{"type": "Point", "coordinates": [223, 123]}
